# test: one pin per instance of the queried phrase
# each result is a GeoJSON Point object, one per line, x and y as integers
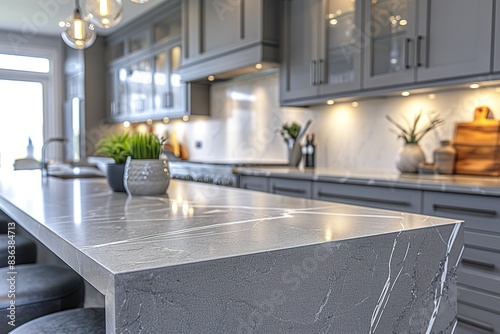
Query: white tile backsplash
{"type": "Point", "coordinates": [246, 113]}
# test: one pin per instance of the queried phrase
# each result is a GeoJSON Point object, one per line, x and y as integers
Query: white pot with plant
{"type": "Point", "coordinates": [145, 173]}
{"type": "Point", "coordinates": [411, 154]}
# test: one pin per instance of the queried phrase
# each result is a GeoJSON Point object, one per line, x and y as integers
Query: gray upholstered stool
{"type": "Point", "coordinates": [24, 251]}
{"type": "Point", "coordinates": [40, 289]}
{"type": "Point", "coordinates": [76, 321]}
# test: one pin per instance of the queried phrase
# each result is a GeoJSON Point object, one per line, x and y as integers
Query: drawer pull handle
{"type": "Point", "coordinates": [475, 323]}
{"type": "Point", "coordinates": [472, 262]}
{"type": "Point", "coordinates": [373, 200]}
{"type": "Point", "coordinates": [477, 212]}
{"type": "Point", "coordinates": [290, 190]}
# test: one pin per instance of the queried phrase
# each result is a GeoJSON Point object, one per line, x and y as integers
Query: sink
{"type": "Point", "coordinates": [71, 172]}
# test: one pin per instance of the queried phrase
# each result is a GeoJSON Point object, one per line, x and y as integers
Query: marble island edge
{"type": "Point", "coordinates": [202, 248]}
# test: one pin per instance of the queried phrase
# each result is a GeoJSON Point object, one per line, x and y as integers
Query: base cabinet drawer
{"type": "Point", "coordinates": [257, 183]}
{"type": "Point", "coordinates": [472, 320]}
{"type": "Point", "coordinates": [296, 188]}
{"type": "Point", "coordinates": [479, 212]}
{"type": "Point", "coordinates": [378, 197]}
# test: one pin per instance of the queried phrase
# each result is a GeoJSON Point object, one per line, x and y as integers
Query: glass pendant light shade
{"type": "Point", "coordinates": [104, 13]}
{"type": "Point", "coordinates": [139, 1]}
{"type": "Point", "coordinates": [79, 33]}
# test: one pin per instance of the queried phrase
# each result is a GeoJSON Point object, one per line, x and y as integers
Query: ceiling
{"type": "Point", "coordinates": [43, 16]}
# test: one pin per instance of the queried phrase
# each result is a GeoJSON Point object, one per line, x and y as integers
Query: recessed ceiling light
{"type": "Point", "coordinates": [405, 93]}
{"type": "Point", "coordinates": [126, 124]}
{"type": "Point", "coordinates": [355, 104]}
{"type": "Point", "coordinates": [149, 122]}
{"type": "Point", "coordinates": [185, 118]}
{"type": "Point", "coordinates": [330, 102]}
{"type": "Point", "coordinates": [166, 120]}
{"type": "Point", "coordinates": [431, 96]}
{"type": "Point", "coordinates": [474, 86]}
{"type": "Point", "coordinates": [211, 78]}
{"type": "Point", "coordinates": [258, 66]}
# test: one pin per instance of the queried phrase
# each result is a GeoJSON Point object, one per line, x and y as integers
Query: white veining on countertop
{"type": "Point", "coordinates": [386, 291]}
{"type": "Point", "coordinates": [442, 282]}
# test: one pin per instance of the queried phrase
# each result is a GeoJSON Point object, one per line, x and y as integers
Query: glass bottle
{"type": "Point", "coordinates": [444, 157]}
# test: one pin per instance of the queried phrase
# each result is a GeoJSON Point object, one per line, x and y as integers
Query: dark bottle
{"type": "Point", "coordinates": [310, 151]}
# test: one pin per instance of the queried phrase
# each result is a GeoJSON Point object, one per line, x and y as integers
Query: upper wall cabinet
{"type": "Point", "coordinates": [321, 54]}
{"type": "Point", "coordinates": [226, 35]}
{"type": "Point", "coordinates": [496, 64]}
{"type": "Point", "coordinates": [144, 77]}
{"type": "Point", "coordinates": [411, 41]}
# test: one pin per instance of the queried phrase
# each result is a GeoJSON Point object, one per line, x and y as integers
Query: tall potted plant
{"type": "Point", "coordinates": [410, 155]}
{"type": "Point", "coordinates": [116, 146]}
{"type": "Point", "coordinates": [145, 174]}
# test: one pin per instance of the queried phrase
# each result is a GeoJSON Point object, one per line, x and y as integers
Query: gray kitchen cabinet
{"type": "Point", "coordinates": [419, 41]}
{"type": "Point", "coordinates": [257, 183]}
{"type": "Point", "coordinates": [223, 35]}
{"type": "Point", "coordinates": [407, 200]}
{"type": "Point", "coordinates": [144, 78]}
{"type": "Point", "coordinates": [321, 55]}
{"type": "Point", "coordinates": [479, 274]}
{"type": "Point", "coordinates": [295, 188]}
{"type": "Point", "coordinates": [496, 53]}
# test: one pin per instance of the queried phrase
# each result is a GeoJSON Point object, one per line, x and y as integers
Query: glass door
{"type": "Point", "coordinates": [341, 25]}
{"type": "Point", "coordinates": [140, 87]}
{"type": "Point", "coordinates": [391, 31]}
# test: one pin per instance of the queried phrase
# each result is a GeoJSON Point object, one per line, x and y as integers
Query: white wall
{"type": "Point", "coordinates": [246, 113]}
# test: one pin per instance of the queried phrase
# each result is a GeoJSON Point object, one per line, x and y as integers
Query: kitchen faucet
{"type": "Point", "coordinates": [44, 148]}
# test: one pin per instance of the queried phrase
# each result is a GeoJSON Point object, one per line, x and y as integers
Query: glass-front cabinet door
{"type": "Point", "coordinates": [340, 60]}
{"type": "Point", "coordinates": [119, 99]}
{"type": "Point", "coordinates": [323, 53]}
{"type": "Point", "coordinates": [390, 43]}
{"type": "Point", "coordinates": [168, 87]}
{"type": "Point", "coordinates": [140, 88]}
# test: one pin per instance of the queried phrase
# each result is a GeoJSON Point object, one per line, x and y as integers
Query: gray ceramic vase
{"type": "Point", "coordinates": [115, 177]}
{"type": "Point", "coordinates": [146, 177]}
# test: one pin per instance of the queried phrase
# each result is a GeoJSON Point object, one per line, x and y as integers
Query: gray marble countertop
{"type": "Point", "coordinates": [128, 248]}
{"type": "Point", "coordinates": [194, 222]}
{"type": "Point", "coordinates": [468, 184]}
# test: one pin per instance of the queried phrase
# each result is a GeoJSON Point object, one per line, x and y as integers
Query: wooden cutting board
{"type": "Point", "coordinates": [478, 145]}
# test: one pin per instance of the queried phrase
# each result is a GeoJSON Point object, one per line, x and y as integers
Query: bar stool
{"type": "Point", "coordinates": [40, 289]}
{"type": "Point", "coordinates": [24, 250]}
{"type": "Point", "coordinates": [77, 321]}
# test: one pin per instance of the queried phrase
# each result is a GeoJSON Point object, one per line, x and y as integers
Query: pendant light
{"type": "Point", "coordinates": [104, 13]}
{"type": "Point", "coordinates": [79, 33]}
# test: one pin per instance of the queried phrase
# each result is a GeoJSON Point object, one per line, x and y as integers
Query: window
{"type": "Point", "coordinates": [23, 63]}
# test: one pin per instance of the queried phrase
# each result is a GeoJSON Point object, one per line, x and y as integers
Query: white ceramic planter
{"type": "Point", "coordinates": [408, 158]}
{"type": "Point", "coordinates": [146, 177]}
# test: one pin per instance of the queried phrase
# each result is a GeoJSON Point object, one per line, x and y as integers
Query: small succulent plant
{"type": "Point", "coordinates": [145, 146]}
{"type": "Point", "coordinates": [116, 146]}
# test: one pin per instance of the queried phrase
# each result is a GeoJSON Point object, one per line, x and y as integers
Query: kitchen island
{"type": "Point", "coordinates": [209, 259]}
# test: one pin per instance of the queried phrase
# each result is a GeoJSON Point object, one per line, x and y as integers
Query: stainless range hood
{"type": "Point", "coordinates": [229, 41]}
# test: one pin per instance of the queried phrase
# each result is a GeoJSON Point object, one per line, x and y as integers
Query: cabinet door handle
{"type": "Point", "coordinates": [373, 200]}
{"type": "Point", "coordinates": [312, 71]}
{"type": "Point", "coordinates": [454, 209]}
{"type": "Point", "coordinates": [407, 53]}
{"type": "Point", "coordinates": [290, 190]}
{"type": "Point", "coordinates": [419, 45]}
{"type": "Point", "coordinates": [479, 263]}
{"type": "Point", "coordinates": [320, 72]}
{"type": "Point", "coordinates": [475, 323]}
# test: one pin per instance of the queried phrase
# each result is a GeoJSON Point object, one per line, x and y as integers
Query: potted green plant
{"type": "Point", "coordinates": [145, 174]}
{"type": "Point", "coordinates": [411, 154]}
{"type": "Point", "coordinates": [117, 147]}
